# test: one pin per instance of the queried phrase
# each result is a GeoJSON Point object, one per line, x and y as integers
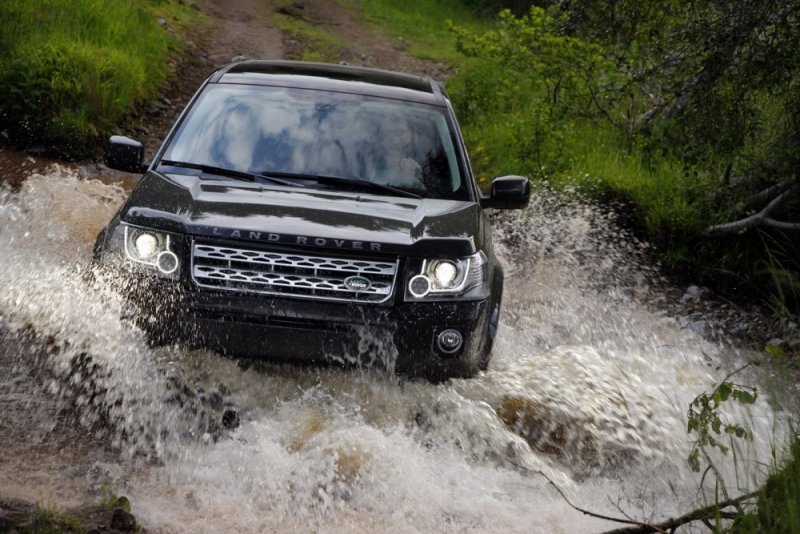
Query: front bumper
{"type": "Point", "coordinates": [401, 337]}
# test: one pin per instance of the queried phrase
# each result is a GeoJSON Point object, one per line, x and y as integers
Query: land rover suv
{"type": "Point", "coordinates": [314, 212]}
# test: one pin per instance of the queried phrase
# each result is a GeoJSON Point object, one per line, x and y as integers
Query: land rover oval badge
{"type": "Point", "coordinates": [357, 283]}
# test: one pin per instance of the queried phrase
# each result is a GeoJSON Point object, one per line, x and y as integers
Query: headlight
{"type": "Point", "coordinates": [148, 249]}
{"type": "Point", "coordinates": [449, 279]}
{"type": "Point", "coordinates": [445, 274]}
{"type": "Point", "coordinates": [146, 245]}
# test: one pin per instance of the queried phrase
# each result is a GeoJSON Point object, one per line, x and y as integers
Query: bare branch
{"type": "Point", "coordinates": [717, 474]}
{"type": "Point", "coordinates": [781, 224]}
{"type": "Point", "coordinates": [599, 516]}
{"type": "Point", "coordinates": [763, 198]}
{"type": "Point", "coordinates": [762, 218]}
{"type": "Point", "coordinates": [603, 110]}
{"type": "Point", "coordinates": [709, 512]}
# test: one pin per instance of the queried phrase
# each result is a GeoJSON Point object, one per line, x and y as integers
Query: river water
{"type": "Point", "coordinates": [589, 386]}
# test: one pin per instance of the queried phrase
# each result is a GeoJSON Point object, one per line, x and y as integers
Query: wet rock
{"type": "Point", "coordinates": [215, 401]}
{"type": "Point", "coordinates": [124, 521]}
{"type": "Point", "coordinates": [230, 418]}
{"type": "Point", "coordinates": [693, 294]}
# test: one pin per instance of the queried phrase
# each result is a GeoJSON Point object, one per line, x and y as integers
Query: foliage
{"type": "Point", "coordinates": [69, 70]}
{"type": "Point", "coordinates": [534, 102]}
{"type": "Point", "coordinates": [705, 419]}
{"type": "Point", "coordinates": [778, 501]}
{"type": "Point", "coordinates": [687, 112]}
{"type": "Point", "coordinates": [113, 502]}
{"type": "Point", "coordinates": [564, 68]}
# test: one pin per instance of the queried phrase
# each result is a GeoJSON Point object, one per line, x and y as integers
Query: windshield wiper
{"type": "Point", "coordinates": [241, 175]}
{"type": "Point", "coordinates": [340, 180]}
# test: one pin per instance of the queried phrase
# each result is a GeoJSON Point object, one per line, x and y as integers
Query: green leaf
{"type": "Point", "coordinates": [745, 397]}
{"type": "Point", "coordinates": [775, 351]}
{"type": "Point", "coordinates": [716, 424]}
{"type": "Point", "coordinates": [694, 460]}
{"type": "Point", "coordinates": [723, 392]}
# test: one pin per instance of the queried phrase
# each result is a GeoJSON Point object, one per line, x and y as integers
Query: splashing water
{"type": "Point", "coordinates": [588, 386]}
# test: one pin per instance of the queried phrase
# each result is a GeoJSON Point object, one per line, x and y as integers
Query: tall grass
{"type": "Point", "coordinates": [70, 69]}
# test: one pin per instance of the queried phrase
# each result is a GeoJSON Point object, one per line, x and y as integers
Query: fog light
{"type": "Point", "coordinates": [167, 262]}
{"type": "Point", "coordinates": [449, 341]}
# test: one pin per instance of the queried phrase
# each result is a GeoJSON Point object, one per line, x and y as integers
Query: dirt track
{"type": "Point", "coordinates": [243, 29]}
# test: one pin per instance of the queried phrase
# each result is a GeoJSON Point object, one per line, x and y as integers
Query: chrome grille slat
{"type": "Point", "coordinates": [296, 275]}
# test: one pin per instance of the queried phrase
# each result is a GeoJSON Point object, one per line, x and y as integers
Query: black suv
{"type": "Point", "coordinates": [314, 212]}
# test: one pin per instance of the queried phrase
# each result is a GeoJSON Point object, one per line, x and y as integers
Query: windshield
{"type": "Point", "coordinates": [308, 132]}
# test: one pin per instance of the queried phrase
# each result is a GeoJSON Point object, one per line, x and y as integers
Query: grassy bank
{"type": "Point", "coordinates": [559, 109]}
{"type": "Point", "coordinates": [70, 69]}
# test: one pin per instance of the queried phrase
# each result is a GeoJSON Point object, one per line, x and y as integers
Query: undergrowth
{"type": "Point", "coordinates": [778, 501]}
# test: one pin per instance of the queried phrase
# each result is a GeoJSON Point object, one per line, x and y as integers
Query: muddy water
{"type": "Point", "coordinates": [588, 387]}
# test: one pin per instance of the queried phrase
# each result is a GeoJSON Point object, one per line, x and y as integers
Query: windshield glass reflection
{"type": "Point", "coordinates": [274, 129]}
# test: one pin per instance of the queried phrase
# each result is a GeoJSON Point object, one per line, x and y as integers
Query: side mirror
{"type": "Point", "coordinates": [508, 192]}
{"type": "Point", "coordinates": [125, 154]}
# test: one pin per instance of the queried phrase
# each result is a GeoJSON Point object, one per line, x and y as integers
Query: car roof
{"type": "Point", "coordinates": [330, 77]}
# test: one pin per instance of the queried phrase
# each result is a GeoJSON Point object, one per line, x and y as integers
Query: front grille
{"type": "Point", "coordinates": [289, 274]}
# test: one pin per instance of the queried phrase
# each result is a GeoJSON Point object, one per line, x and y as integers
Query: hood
{"type": "Point", "coordinates": [305, 217]}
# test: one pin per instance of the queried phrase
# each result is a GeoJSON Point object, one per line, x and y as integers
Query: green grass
{"type": "Point", "coordinates": [422, 24]}
{"type": "Point", "coordinates": [670, 201]}
{"type": "Point", "coordinates": [70, 69]}
{"type": "Point", "coordinates": [48, 520]}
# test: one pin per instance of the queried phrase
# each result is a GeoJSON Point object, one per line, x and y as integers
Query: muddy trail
{"type": "Point", "coordinates": [596, 362]}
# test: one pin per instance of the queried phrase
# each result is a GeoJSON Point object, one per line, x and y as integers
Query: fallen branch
{"type": "Point", "coordinates": [762, 218]}
{"type": "Point", "coordinates": [708, 513]}
{"type": "Point", "coordinates": [639, 524]}
{"type": "Point", "coordinates": [761, 199]}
